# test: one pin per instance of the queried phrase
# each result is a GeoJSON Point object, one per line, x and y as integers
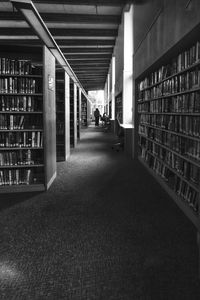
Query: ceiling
{"type": "Point", "coordinates": [85, 31]}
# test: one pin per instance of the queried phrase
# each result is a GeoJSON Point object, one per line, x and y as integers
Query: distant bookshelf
{"type": "Point", "coordinates": [60, 119]}
{"type": "Point", "coordinates": [78, 113]}
{"type": "Point", "coordinates": [73, 114]}
{"type": "Point", "coordinates": [22, 133]}
{"type": "Point", "coordinates": [169, 127]}
{"type": "Point", "coordinates": [83, 111]}
{"type": "Point", "coordinates": [119, 108]}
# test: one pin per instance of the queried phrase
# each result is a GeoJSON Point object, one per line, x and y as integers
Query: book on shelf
{"type": "Point", "coordinates": [15, 67]}
{"type": "Point", "coordinates": [19, 122]}
{"type": "Point", "coordinates": [20, 139]}
{"type": "Point", "coordinates": [169, 124]}
{"type": "Point", "coordinates": [20, 103]}
{"type": "Point", "coordinates": [20, 158]}
{"type": "Point", "coordinates": [21, 85]}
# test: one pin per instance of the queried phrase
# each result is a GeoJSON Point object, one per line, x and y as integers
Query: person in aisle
{"type": "Point", "coordinates": [96, 115]}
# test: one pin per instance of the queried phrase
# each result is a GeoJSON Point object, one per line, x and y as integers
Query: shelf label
{"type": "Point", "coordinates": [50, 83]}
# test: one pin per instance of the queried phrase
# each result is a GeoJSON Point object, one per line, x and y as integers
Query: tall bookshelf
{"type": "Point", "coordinates": [168, 127]}
{"type": "Point", "coordinates": [73, 114]}
{"type": "Point", "coordinates": [119, 108]}
{"type": "Point", "coordinates": [62, 116]}
{"type": "Point", "coordinates": [26, 89]}
{"type": "Point", "coordinates": [78, 112]}
{"type": "Point", "coordinates": [60, 120]}
{"type": "Point", "coordinates": [83, 111]}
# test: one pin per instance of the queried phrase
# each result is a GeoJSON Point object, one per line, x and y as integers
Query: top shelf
{"type": "Point", "coordinates": [193, 66]}
{"type": "Point", "coordinates": [21, 75]}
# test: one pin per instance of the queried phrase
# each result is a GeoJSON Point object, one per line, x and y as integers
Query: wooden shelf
{"type": "Point", "coordinates": [6, 189]}
{"type": "Point", "coordinates": [193, 185]}
{"type": "Point", "coordinates": [170, 95]}
{"type": "Point", "coordinates": [22, 166]}
{"type": "Point", "coordinates": [21, 130]}
{"type": "Point", "coordinates": [31, 91]}
{"type": "Point", "coordinates": [20, 148]}
{"type": "Point", "coordinates": [173, 132]}
{"type": "Point", "coordinates": [21, 75]}
{"type": "Point", "coordinates": [193, 66]}
{"type": "Point", "coordinates": [20, 94]}
{"type": "Point", "coordinates": [180, 202]}
{"type": "Point", "coordinates": [192, 161]}
{"type": "Point", "coordinates": [14, 112]}
{"type": "Point", "coordinates": [170, 113]}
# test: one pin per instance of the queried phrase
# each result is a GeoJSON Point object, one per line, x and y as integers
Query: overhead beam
{"type": "Point", "coordinates": [91, 76]}
{"type": "Point", "coordinates": [90, 56]}
{"type": "Point", "coordinates": [85, 42]}
{"type": "Point", "coordinates": [36, 42]}
{"type": "Point", "coordinates": [90, 80]}
{"type": "Point", "coordinates": [89, 68]}
{"type": "Point", "coordinates": [61, 32]}
{"type": "Point", "coordinates": [66, 18]}
{"type": "Point", "coordinates": [84, 2]}
{"type": "Point", "coordinates": [88, 63]}
{"type": "Point", "coordinates": [86, 50]}
{"type": "Point", "coordinates": [92, 87]}
{"type": "Point", "coordinates": [91, 73]}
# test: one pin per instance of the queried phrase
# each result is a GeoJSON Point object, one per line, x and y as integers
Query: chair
{"type": "Point", "coordinates": [106, 124]}
{"type": "Point", "coordinates": [119, 131]}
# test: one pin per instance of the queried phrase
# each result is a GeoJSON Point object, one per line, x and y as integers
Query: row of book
{"type": "Point", "coordinates": [179, 63]}
{"type": "Point", "coordinates": [19, 157]}
{"type": "Point", "coordinates": [178, 104]}
{"type": "Point", "coordinates": [15, 67]}
{"type": "Point", "coordinates": [181, 83]}
{"type": "Point", "coordinates": [14, 85]}
{"type": "Point", "coordinates": [84, 112]}
{"type": "Point", "coordinates": [33, 139]}
{"type": "Point", "coordinates": [20, 103]}
{"type": "Point", "coordinates": [18, 122]}
{"type": "Point", "coordinates": [17, 177]}
{"type": "Point", "coordinates": [180, 124]}
{"type": "Point", "coordinates": [187, 193]}
{"type": "Point", "coordinates": [180, 186]}
{"type": "Point", "coordinates": [186, 169]}
{"type": "Point", "coordinates": [181, 145]}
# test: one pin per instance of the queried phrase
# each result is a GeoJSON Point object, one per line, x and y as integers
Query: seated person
{"type": "Point", "coordinates": [106, 121]}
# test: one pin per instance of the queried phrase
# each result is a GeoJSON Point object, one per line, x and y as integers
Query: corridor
{"type": "Point", "coordinates": [104, 230]}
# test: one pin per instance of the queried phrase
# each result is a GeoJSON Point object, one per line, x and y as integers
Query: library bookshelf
{"type": "Point", "coordinates": [25, 143]}
{"type": "Point", "coordinates": [62, 116]}
{"type": "Point", "coordinates": [83, 111]}
{"type": "Point", "coordinates": [73, 114]}
{"type": "Point", "coordinates": [119, 108]}
{"type": "Point", "coordinates": [78, 112]}
{"type": "Point", "coordinates": [168, 125]}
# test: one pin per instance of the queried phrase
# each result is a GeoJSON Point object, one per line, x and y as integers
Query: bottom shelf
{"type": "Point", "coordinates": [22, 188]}
{"type": "Point", "coordinates": [181, 204]}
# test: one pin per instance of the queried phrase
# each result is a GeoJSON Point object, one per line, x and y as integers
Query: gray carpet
{"type": "Point", "coordinates": [104, 230]}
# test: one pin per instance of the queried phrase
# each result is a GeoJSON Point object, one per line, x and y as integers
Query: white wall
{"type": "Point", "coordinates": [128, 67]}
{"type": "Point", "coordinates": [121, 68]}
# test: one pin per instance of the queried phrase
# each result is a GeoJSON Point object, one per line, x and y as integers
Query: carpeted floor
{"type": "Point", "coordinates": [104, 230]}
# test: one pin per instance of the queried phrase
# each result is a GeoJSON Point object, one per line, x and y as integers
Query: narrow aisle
{"type": "Point", "coordinates": [104, 230]}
